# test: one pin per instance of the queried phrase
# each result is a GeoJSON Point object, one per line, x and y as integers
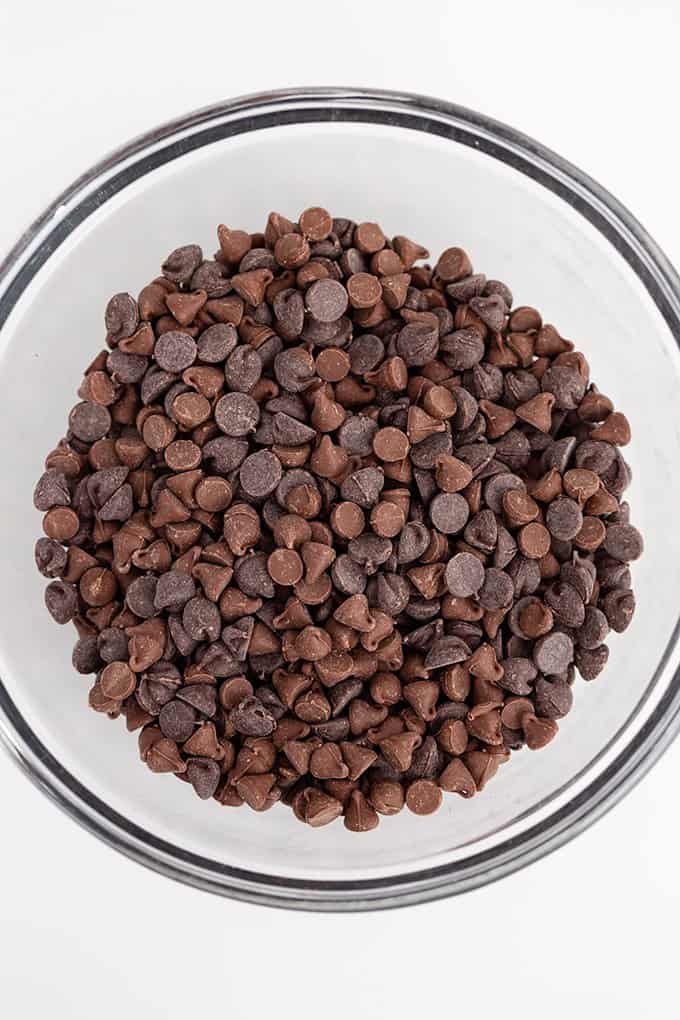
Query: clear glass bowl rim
{"type": "Point", "coordinates": [610, 218]}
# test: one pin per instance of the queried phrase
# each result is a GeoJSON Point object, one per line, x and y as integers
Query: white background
{"type": "Point", "coordinates": [85, 933]}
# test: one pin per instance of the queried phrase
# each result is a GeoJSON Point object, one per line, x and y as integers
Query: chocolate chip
{"type": "Point", "coordinates": [51, 490]}
{"type": "Point", "coordinates": [204, 776]}
{"type": "Point", "coordinates": [413, 541]}
{"type": "Point", "coordinates": [216, 343]}
{"type": "Point", "coordinates": [201, 619]}
{"type": "Point", "coordinates": [464, 575]}
{"type": "Point", "coordinates": [462, 350]}
{"type": "Point", "coordinates": [112, 645]}
{"type": "Point", "coordinates": [61, 600]}
{"type": "Point", "coordinates": [445, 651]}
{"type": "Point", "coordinates": [225, 452]}
{"type": "Point", "coordinates": [619, 606]}
{"type": "Point", "coordinates": [566, 384]}
{"type": "Point", "coordinates": [89, 422]}
{"type": "Point", "coordinates": [173, 590]}
{"type": "Point", "coordinates": [564, 518]}
{"type": "Point", "coordinates": [181, 263]}
{"type": "Point", "coordinates": [566, 604]}
{"type": "Point", "coordinates": [591, 662]}
{"type": "Point", "coordinates": [252, 576]}
{"type": "Point", "coordinates": [140, 596]}
{"type": "Point", "coordinates": [363, 487]}
{"type": "Point", "coordinates": [593, 630]}
{"type": "Point", "coordinates": [251, 718]}
{"type": "Point", "coordinates": [237, 414]}
{"type": "Point", "coordinates": [50, 557]}
{"type": "Point", "coordinates": [85, 657]}
{"type": "Point", "coordinates": [497, 591]}
{"type": "Point", "coordinates": [518, 676]}
{"type": "Point", "coordinates": [594, 456]}
{"type": "Point", "coordinates": [623, 542]}
{"type": "Point", "coordinates": [121, 317]}
{"type": "Point", "coordinates": [117, 681]}
{"type": "Point", "coordinates": [496, 488]}
{"type": "Point", "coordinates": [348, 576]}
{"type": "Point", "coordinates": [553, 653]}
{"type": "Point", "coordinates": [243, 369]}
{"type": "Point", "coordinates": [294, 369]}
{"type": "Point", "coordinates": [423, 797]}
{"type": "Point", "coordinates": [260, 474]}
{"type": "Point", "coordinates": [326, 300]}
{"type": "Point", "coordinates": [175, 351]}
{"type": "Point", "coordinates": [356, 435]}
{"type": "Point", "coordinates": [417, 344]}
{"type": "Point", "coordinates": [176, 719]}
{"type": "Point", "coordinates": [449, 512]}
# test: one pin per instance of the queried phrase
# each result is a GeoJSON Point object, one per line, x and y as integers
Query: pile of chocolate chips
{"type": "Point", "coordinates": [335, 529]}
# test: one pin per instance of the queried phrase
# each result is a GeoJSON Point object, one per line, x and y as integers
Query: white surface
{"type": "Point", "coordinates": [84, 932]}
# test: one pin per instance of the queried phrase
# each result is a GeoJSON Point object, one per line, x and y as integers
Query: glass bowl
{"type": "Point", "coordinates": [442, 175]}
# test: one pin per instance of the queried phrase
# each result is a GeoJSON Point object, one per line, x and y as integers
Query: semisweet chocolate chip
{"type": "Point", "coordinates": [349, 577]}
{"type": "Point", "coordinates": [363, 487]}
{"type": "Point", "coordinates": [518, 675]}
{"type": "Point", "coordinates": [552, 699]}
{"type": "Point", "coordinates": [181, 263]}
{"type": "Point", "coordinates": [176, 719]}
{"type": "Point", "coordinates": [623, 542]}
{"type": "Point", "coordinates": [51, 490]}
{"type": "Point", "coordinates": [251, 718]}
{"type": "Point", "coordinates": [204, 775]}
{"type": "Point", "coordinates": [462, 349]}
{"type": "Point", "coordinates": [566, 604]}
{"type": "Point", "coordinates": [260, 474]}
{"type": "Point", "coordinates": [121, 317]}
{"type": "Point", "coordinates": [356, 435]}
{"type": "Point", "coordinates": [413, 541]}
{"type": "Point", "coordinates": [619, 606]}
{"type": "Point", "coordinates": [593, 455]}
{"type": "Point", "coordinates": [591, 662]}
{"type": "Point", "coordinates": [464, 575]}
{"type": "Point", "coordinates": [112, 644]}
{"type": "Point", "coordinates": [417, 343]}
{"type": "Point", "coordinates": [497, 591]}
{"type": "Point", "coordinates": [449, 512]}
{"type": "Point", "coordinates": [326, 300]}
{"type": "Point", "coordinates": [89, 422]}
{"type": "Point", "coordinates": [496, 488]}
{"type": "Point", "coordinates": [61, 600]}
{"type": "Point", "coordinates": [201, 619]}
{"type": "Point", "coordinates": [140, 596]}
{"type": "Point", "coordinates": [173, 590]}
{"type": "Point", "coordinates": [85, 657]}
{"type": "Point", "coordinates": [237, 414]}
{"type": "Point", "coordinates": [294, 369]}
{"type": "Point", "coordinates": [243, 369]}
{"type": "Point", "coordinates": [566, 384]}
{"type": "Point", "coordinates": [175, 351]}
{"type": "Point", "coordinates": [211, 277]}
{"type": "Point", "coordinates": [593, 630]}
{"type": "Point", "coordinates": [564, 518]}
{"type": "Point", "coordinates": [50, 557]}
{"type": "Point", "coordinates": [216, 343]}
{"type": "Point", "coordinates": [553, 653]}
{"type": "Point", "coordinates": [334, 527]}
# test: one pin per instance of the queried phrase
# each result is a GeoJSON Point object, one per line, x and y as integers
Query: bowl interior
{"type": "Point", "coordinates": [440, 193]}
